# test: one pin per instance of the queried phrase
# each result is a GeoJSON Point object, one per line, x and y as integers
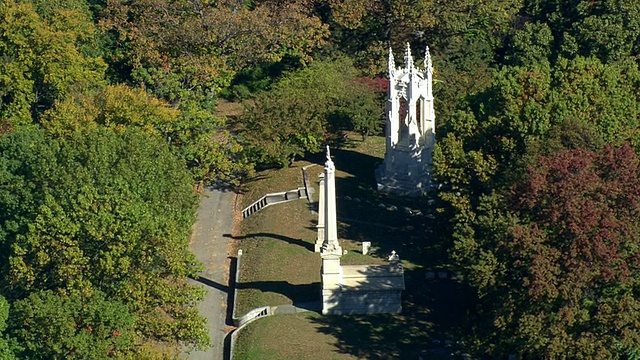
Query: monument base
{"type": "Point", "coordinates": [402, 184]}
{"type": "Point", "coordinates": [364, 289]}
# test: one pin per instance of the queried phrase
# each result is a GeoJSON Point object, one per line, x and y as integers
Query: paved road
{"type": "Point", "coordinates": [208, 243]}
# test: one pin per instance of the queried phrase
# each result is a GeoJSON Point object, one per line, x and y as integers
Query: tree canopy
{"type": "Point", "coordinates": [305, 107]}
{"type": "Point", "coordinates": [99, 212]}
{"type": "Point", "coordinates": [109, 113]}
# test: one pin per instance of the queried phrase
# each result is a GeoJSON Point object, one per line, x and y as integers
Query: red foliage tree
{"type": "Point", "coordinates": [578, 253]}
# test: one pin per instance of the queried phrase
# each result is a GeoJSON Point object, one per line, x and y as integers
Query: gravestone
{"type": "Point", "coordinates": [366, 245]}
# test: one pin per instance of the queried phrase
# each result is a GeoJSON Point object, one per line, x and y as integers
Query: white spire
{"type": "Point", "coordinates": [329, 163]}
{"type": "Point", "coordinates": [408, 60]}
{"type": "Point", "coordinates": [427, 61]}
{"type": "Point", "coordinates": [392, 63]}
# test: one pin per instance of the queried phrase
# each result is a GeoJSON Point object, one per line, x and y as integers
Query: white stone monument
{"type": "Point", "coordinates": [410, 128]}
{"type": "Point", "coordinates": [331, 251]}
{"type": "Point", "coordinates": [352, 289]}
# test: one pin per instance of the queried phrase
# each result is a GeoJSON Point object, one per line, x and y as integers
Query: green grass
{"type": "Point", "coordinates": [280, 267]}
{"type": "Point", "coordinates": [295, 336]}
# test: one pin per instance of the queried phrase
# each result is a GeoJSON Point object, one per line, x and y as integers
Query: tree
{"type": "Point", "coordinates": [50, 326]}
{"type": "Point", "coordinates": [297, 114]}
{"type": "Point", "coordinates": [6, 350]}
{"type": "Point", "coordinates": [555, 262]}
{"type": "Point", "coordinates": [41, 60]}
{"type": "Point", "coordinates": [101, 210]}
{"type": "Point", "coordinates": [606, 29]}
{"type": "Point", "coordinates": [195, 134]}
{"type": "Point", "coordinates": [579, 253]}
{"type": "Point", "coordinates": [197, 46]}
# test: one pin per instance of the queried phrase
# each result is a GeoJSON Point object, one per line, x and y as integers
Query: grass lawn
{"type": "Point", "coordinates": [280, 267]}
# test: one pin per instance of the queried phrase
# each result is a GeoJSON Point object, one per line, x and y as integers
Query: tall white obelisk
{"type": "Point", "coordinates": [331, 250]}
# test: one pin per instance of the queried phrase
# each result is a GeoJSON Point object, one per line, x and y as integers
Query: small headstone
{"type": "Point", "coordinates": [347, 197]}
{"type": "Point", "coordinates": [357, 200]}
{"type": "Point", "coordinates": [431, 201]}
{"type": "Point", "coordinates": [394, 256]}
{"type": "Point", "coordinates": [442, 274]}
{"type": "Point", "coordinates": [366, 245]}
{"type": "Point", "coordinates": [393, 208]}
{"type": "Point", "coordinates": [430, 275]}
{"type": "Point", "coordinates": [431, 216]}
{"type": "Point", "coordinates": [419, 213]}
{"type": "Point", "coordinates": [382, 206]}
{"type": "Point", "coordinates": [345, 252]}
{"type": "Point", "coordinates": [408, 211]}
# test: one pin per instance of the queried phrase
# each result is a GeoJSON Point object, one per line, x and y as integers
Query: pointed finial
{"type": "Point", "coordinates": [392, 62]}
{"type": "Point", "coordinates": [329, 163]}
{"type": "Point", "coordinates": [408, 60]}
{"type": "Point", "coordinates": [427, 61]}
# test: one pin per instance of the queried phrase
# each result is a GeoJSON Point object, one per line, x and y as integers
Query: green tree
{"type": "Point", "coordinates": [50, 326]}
{"type": "Point", "coordinates": [194, 133]}
{"type": "Point", "coordinates": [197, 46]}
{"type": "Point", "coordinates": [6, 350]}
{"type": "Point", "coordinates": [101, 210]}
{"type": "Point", "coordinates": [303, 107]}
{"type": "Point", "coordinates": [41, 62]}
{"type": "Point", "coordinates": [606, 29]}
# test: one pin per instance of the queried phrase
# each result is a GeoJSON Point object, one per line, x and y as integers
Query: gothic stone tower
{"type": "Point", "coordinates": [410, 128]}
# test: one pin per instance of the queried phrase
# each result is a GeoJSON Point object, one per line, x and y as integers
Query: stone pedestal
{"type": "Point", "coordinates": [405, 171]}
{"type": "Point", "coordinates": [331, 280]}
{"type": "Point", "coordinates": [364, 289]}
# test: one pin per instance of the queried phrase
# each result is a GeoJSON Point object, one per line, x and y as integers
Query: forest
{"type": "Point", "coordinates": [108, 121]}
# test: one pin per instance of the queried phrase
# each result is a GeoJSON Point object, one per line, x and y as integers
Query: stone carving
{"type": "Point", "coordinates": [394, 256]}
{"type": "Point", "coordinates": [410, 128]}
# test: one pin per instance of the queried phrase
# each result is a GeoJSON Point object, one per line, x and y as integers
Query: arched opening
{"type": "Point", "coordinates": [419, 111]}
{"type": "Point", "coordinates": [403, 116]}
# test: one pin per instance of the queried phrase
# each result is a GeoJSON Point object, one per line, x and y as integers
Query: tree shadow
{"type": "Point", "coordinates": [298, 293]}
{"type": "Point", "coordinates": [427, 326]}
{"type": "Point", "coordinates": [435, 309]}
{"type": "Point", "coordinates": [286, 239]}
{"type": "Point", "coordinates": [210, 283]}
{"type": "Point", "coordinates": [227, 289]}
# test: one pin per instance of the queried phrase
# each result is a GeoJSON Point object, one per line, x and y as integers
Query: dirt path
{"type": "Point", "coordinates": [208, 243]}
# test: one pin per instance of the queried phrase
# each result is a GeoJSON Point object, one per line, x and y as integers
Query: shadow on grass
{"type": "Point", "coordinates": [434, 310]}
{"type": "Point", "coordinates": [297, 293]}
{"type": "Point", "coordinates": [429, 325]}
{"type": "Point", "coordinates": [286, 239]}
